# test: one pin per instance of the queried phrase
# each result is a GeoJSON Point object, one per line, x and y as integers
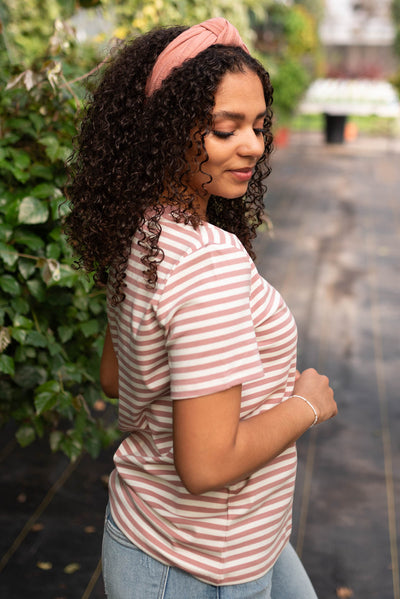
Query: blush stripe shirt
{"type": "Point", "coordinates": [211, 323]}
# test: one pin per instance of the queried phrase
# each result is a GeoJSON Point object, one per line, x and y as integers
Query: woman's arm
{"type": "Point", "coordinates": [214, 448]}
{"type": "Point", "coordinates": [109, 367]}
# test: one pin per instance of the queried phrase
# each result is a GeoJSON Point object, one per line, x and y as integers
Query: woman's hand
{"type": "Point", "coordinates": [315, 387]}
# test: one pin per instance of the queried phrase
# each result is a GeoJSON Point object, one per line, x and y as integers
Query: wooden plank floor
{"type": "Point", "coordinates": [335, 258]}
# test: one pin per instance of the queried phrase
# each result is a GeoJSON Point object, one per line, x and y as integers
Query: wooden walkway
{"type": "Point", "coordinates": [335, 256]}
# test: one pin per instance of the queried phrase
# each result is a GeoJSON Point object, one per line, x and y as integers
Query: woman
{"type": "Point", "coordinates": [200, 349]}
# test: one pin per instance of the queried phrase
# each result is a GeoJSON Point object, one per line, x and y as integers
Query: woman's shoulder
{"type": "Point", "coordinates": [184, 239]}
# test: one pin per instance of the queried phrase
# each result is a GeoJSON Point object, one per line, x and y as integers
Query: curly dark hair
{"type": "Point", "coordinates": [131, 150]}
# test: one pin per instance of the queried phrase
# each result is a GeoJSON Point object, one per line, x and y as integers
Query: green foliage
{"type": "Point", "coordinates": [28, 26]}
{"type": "Point", "coordinates": [288, 41]}
{"type": "Point", "coordinates": [294, 29]}
{"type": "Point", "coordinates": [396, 12]}
{"type": "Point", "coordinates": [396, 21]}
{"type": "Point", "coordinates": [138, 16]}
{"type": "Point", "coordinates": [52, 318]}
{"type": "Point", "coordinates": [395, 80]}
{"type": "Point", "coordinates": [290, 79]}
{"type": "Point", "coordinates": [316, 8]}
{"type": "Point", "coordinates": [300, 32]}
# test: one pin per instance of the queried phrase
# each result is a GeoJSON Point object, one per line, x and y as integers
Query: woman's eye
{"type": "Point", "coordinates": [260, 131]}
{"type": "Point", "coordinates": [223, 134]}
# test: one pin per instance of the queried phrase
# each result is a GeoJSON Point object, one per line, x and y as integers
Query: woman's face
{"type": "Point", "coordinates": [236, 141]}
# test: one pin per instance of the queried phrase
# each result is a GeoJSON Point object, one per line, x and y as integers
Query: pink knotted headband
{"type": "Point", "coordinates": [190, 43]}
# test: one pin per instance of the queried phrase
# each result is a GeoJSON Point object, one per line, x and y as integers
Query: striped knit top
{"type": "Point", "coordinates": [211, 323]}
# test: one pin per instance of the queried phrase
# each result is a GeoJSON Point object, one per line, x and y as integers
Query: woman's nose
{"type": "Point", "coordinates": [252, 144]}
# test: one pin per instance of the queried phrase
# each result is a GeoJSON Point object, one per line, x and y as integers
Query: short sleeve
{"type": "Point", "coordinates": [205, 311]}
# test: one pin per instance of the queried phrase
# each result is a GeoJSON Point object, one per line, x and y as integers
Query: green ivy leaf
{"type": "Point", "coordinates": [91, 327]}
{"type": "Point", "coordinates": [72, 372]}
{"type": "Point", "coordinates": [19, 335]}
{"type": "Point", "coordinates": [86, 282]}
{"type": "Point", "coordinates": [18, 173]}
{"type": "Point", "coordinates": [28, 239]}
{"type": "Point", "coordinates": [82, 316]}
{"type": "Point", "coordinates": [10, 207]}
{"type": "Point", "coordinates": [65, 333]}
{"type": "Point", "coordinates": [45, 401]}
{"type": "Point", "coordinates": [6, 364]}
{"type": "Point", "coordinates": [37, 289]}
{"type": "Point", "coordinates": [65, 404]}
{"type": "Point", "coordinates": [23, 411]}
{"type": "Point", "coordinates": [68, 276]}
{"type": "Point", "coordinates": [44, 191]}
{"type": "Point", "coordinates": [93, 445]}
{"type": "Point", "coordinates": [64, 153]}
{"type": "Point", "coordinates": [81, 301]}
{"type": "Point", "coordinates": [37, 120]}
{"type": "Point", "coordinates": [39, 425]}
{"type": "Point", "coordinates": [53, 251]}
{"type": "Point", "coordinates": [21, 322]}
{"type": "Point", "coordinates": [10, 285]}
{"type": "Point", "coordinates": [19, 124]}
{"type": "Point", "coordinates": [72, 445]}
{"type": "Point", "coordinates": [59, 207]}
{"type": "Point", "coordinates": [54, 348]}
{"type": "Point", "coordinates": [5, 232]}
{"type": "Point", "coordinates": [28, 376]}
{"type": "Point", "coordinates": [20, 158]}
{"type": "Point", "coordinates": [7, 397]}
{"type": "Point", "coordinates": [36, 339]}
{"type": "Point", "coordinates": [26, 267]}
{"type": "Point", "coordinates": [8, 254]}
{"type": "Point", "coordinates": [20, 305]}
{"type": "Point", "coordinates": [49, 387]}
{"type": "Point", "coordinates": [97, 307]}
{"type": "Point", "coordinates": [42, 172]}
{"type": "Point", "coordinates": [25, 435]}
{"type": "Point", "coordinates": [32, 211]}
{"type": "Point", "coordinates": [52, 146]}
{"type": "Point", "coordinates": [11, 138]}
{"type": "Point", "coordinates": [23, 353]}
{"type": "Point", "coordinates": [55, 440]}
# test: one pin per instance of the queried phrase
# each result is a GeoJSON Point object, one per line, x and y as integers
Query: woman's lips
{"type": "Point", "coordinates": [242, 174]}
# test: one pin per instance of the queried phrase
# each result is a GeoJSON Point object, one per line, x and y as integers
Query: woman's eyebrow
{"type": "Point", "coordinates": [235, 116]}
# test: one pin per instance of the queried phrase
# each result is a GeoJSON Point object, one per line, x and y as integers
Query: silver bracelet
{"type": "Point", "coordinates": [311, 406]}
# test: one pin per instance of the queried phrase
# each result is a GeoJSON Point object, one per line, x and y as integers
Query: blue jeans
{"type": "Point", "coordinates": [129, 573]}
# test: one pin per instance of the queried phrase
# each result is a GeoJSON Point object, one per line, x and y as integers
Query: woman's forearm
{"type": "Point", "coordinates": [258, 440]}
{"type": "Point", "coordinates": [213, 447]}
{"type": "Point", "coordinates": [109, 367]}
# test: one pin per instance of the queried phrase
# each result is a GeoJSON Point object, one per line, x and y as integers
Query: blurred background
{"type": "Point", "coordinates": [330, 244]}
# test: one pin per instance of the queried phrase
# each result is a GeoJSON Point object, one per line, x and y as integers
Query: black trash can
{"type": "Point", "coordinates": [334, 128]}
